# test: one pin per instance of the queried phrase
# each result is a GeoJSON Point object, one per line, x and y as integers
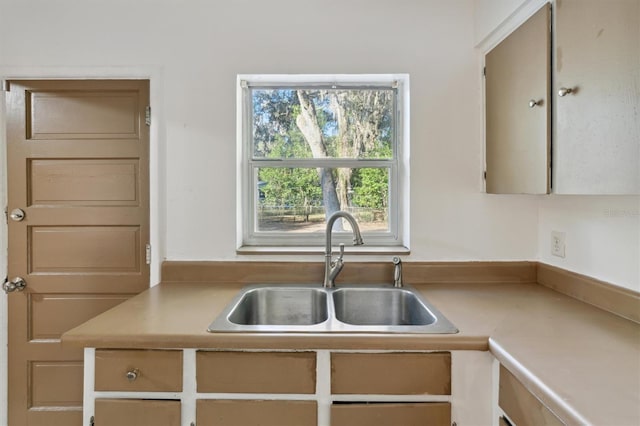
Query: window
{"type": "Point", "coordinates": [310, 145]}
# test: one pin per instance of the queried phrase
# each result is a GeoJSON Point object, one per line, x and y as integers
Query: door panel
{"type": "Point", "coordinates": [83, 114]}
{"type": "Point", "coordinates": [94, 182]}
{"type": "Point", "coordinates": [84, 249]}
{"type": "Point", "coordinates": [78, 166]}
{"type": "Point", "coordinates": [48, 317]}
{"type": "Point", "coordinates": [518, 133]}
{"type": "Point", "coordinates": [45, 389]}
{"type": "Point", "coordinates": [597, 55]}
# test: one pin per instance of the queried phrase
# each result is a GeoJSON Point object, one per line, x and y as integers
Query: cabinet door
{"type": "Point", "coordinates": [522, 406]}
{"type": "Point", "coordinates": [136, 412]}
{"type": "Point", "coordinates": [256, 413]}
{"type": "Point", "coordinates": [597, 134]}
{"type": "Point", "coordinates": [138, 370]}
{"type": "Point", "coordinates": [518, 110]}
{"type": "Point", "coordinates": [391, 373]}
{"type": "Point", "coordinates": [256, 372]}
{"type": "Point", "coordinates": [392, 414]}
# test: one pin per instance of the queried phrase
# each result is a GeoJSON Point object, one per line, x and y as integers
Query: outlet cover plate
{"type": "Point", "coordinates": [558, 243]}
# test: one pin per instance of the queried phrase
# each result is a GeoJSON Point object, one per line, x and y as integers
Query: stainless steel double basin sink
{"type": "Point", "coordinates": [345, 309]}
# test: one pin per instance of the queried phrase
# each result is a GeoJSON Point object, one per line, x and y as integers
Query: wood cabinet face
{"type": "Point", "coordinates": [256, 372]}
{"type": "Point", "coordinates": [596, 144]}
{"type": "Point", "coordinates": [405, 414]}
{"type": "Point", "coordinates": [518, 110]}
{"type": "Point", "coordinates": [136, 412]}
{"type": "Point", "coordinates": [522, 406]}
{"type": "Point", "coordinates": [256, 413]}
{"type": "Point", "coordinates": [391, 373]}
{"type": "Point", "coordinates": [154, 370]}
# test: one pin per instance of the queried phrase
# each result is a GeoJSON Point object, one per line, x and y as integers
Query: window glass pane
{"type": "Point", "coordinates": [323, 123]}
{"type": "Point", "coordinates": [292, 199]}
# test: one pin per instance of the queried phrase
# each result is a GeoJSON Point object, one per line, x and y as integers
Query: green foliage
{"type": "Point", "coordinates": [290, 186]}
{"type": "Point", "coordinates": [371, 185]}
{"type": "Point", "coordinates": [366, 133]}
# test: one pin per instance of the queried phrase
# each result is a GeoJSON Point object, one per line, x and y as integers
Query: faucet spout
{"type": "Point", "coordinates": [333, 267]}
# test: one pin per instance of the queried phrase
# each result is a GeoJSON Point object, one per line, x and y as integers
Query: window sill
{"type": "Point", "coordinates": [363, 250]}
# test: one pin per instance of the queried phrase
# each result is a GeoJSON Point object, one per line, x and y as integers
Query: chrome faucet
{"type": "Point", "coordinates": [333, 267]}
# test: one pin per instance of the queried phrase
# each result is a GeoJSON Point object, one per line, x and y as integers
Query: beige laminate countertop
{"type": "Point", "coordinates": [582, 362]}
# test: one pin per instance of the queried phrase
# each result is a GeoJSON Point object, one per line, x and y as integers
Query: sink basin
{"type": "Point", "coordinates": [275, 308]}
{"type": "Point", "coordinates": [380, 306]}
{"type": "Point", "coordinates": [310, 308]}
{"type": "Point", "coordinates": [280, 306]}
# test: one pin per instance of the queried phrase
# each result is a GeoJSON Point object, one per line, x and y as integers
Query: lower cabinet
{"type": "Point", "coordinates": [391, 414]}
{"type": "Point", "coordinates": [188, 387]}
{"type": "Point", "coordinates": [521, 406]}
{"type": "Point", "coordinates": [136, 412]}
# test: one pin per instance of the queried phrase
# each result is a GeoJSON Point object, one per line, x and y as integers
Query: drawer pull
{"type": "Point", "coordinates": [132, 375]}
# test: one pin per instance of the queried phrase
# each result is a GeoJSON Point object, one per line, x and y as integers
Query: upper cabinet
{"type": "Point", "coordinates": [518, 111]}
{"type": "Point", "coordinates": [596, 144]}
{"type": "Point", "coordinates": [592, 113]}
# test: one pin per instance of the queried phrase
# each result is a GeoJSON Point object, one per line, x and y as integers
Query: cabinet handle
{"type": "Point", "coordinates": [564, 91]}
{"type": "Point", "coordinates": [533, 103]}
{"type": "Point", "coordinates": [132, 375]}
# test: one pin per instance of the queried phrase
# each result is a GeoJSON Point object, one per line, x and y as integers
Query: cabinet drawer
{"type": "Point", "coordinates": [391, 414]}
{"type": "Point", "coordinates": [256, 413]}
{"type": "Point", "coordinates": [256, 372]}
{"type": "Point", "coordinates": [522, 406]}
{"type": "Point", "coordinates": [155, 371]}
{"type": "Point", "coordinates": [136, 412]}
{"type": "Point", "coordinates": [391, 373]}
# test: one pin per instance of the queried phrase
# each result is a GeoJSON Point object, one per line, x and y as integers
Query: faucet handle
{"type": "Point", "coordinates": [341, 245]}
{"type": "Point", "coordinates": [397, 271]}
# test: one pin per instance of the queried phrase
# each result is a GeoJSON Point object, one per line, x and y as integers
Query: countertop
{"type": "Point", "coordinates": [581, 361]}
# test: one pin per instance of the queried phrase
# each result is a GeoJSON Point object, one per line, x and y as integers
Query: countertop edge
{"type": "Point", "coordinates": [285, 341]}
{"type": "Point", "coordinates": [546, 395]}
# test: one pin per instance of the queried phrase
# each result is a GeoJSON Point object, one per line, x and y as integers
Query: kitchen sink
{"type": "Point", "coordinates": [310, 308]}
{"type": "Point", "coordinates": [380, 306]}
{"type": "Point", "coordinates": [280, 306]}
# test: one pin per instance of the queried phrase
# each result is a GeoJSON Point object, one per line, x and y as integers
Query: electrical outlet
{"type": "Point", "coordinates": [557, 243]}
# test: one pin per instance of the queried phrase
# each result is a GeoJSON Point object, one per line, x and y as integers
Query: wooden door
{"type": "Point", "coordinates": [78, 159]}
{"type": "Point", "coordinates": [518, 111]}
{"type": "Point", "coordinates": [596, 147]}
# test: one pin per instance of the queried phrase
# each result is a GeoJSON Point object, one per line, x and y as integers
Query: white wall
{"type": "Point", "coordinates": [201, 46]}
{"type": "Point", "coordinates": [602, 232]}
{"type": "Point", "coordinates": [602, 236]}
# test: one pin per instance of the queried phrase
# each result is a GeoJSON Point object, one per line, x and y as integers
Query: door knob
{"type": "Point", "coordinates": [17, 215]}
{"type": "Point", "coordinates": [564, 91]}
{"type": "Point", "coordinates": [16, 284]}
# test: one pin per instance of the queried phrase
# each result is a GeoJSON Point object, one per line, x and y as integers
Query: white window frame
{"type": "Point", "coordinates": [249, 240]}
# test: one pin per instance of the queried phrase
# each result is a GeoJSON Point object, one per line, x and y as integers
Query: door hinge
{"type": "Point", "coordinates": [6, 214]}
{"type": "Point", "coordinates": [484, 71]}
{"type": "Point", "coordinates": [484, 175]}
{"type": "Point", "coordinates": [147, 115]}
{"type": "Point", "coordinates": [6, 85]}
{"type": "Point", "coordinates": [148, 254]}
{"type": "Point", "coordinates": [92, 421]}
